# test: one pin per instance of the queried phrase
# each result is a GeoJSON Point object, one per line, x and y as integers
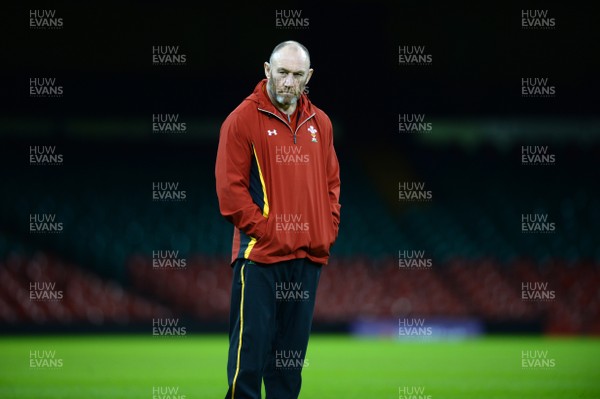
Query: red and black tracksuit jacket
{"type": "Point", "coordinates": [278, 181]}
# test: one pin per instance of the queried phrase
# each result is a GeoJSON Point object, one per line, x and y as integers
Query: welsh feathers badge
{"type": "Point", "coordinates": [313, 133]}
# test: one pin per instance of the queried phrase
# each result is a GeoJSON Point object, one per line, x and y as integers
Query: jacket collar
{"type": "Point", "coordinates": [260, 96]}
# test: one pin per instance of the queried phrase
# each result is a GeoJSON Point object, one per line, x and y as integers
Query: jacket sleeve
{"type": "Point", "coordinates": [333, 182]}
{"type": "Point", "coordinates": [232, 175]}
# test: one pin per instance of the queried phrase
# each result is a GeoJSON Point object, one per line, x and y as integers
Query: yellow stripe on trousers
{"type": "Point", "coordinates": [239, 351]}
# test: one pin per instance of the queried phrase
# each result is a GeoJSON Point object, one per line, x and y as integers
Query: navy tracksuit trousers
{"type": "Point", "coordinates": [269, 326]}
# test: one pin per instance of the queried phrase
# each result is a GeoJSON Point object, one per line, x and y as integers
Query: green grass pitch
{"type": "Point", "coordinates": [193, 366]}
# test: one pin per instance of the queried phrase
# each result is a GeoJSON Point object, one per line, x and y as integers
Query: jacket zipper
{"type": "Point", "coordinates": [297, 127]}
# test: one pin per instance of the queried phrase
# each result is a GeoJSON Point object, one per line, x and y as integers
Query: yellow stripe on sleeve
{"type": "Point", "coordinates": [265, 211]}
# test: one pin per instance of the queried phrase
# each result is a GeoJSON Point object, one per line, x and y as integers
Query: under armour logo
{"type": "Point", "coordinates": [272, 132]}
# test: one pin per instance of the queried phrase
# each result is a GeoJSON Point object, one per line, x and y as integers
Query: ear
{"type": "Point", "coordinates": [309, 75]}
{"type": "Point", "coordinates": [267, 70]}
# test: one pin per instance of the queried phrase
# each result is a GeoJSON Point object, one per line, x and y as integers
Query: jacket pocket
{"type": "Point", "coordinates": [324, 238]}
{"type": "Point", "coordinates": [273, 243]}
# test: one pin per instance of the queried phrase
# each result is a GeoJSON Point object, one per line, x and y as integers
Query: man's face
{"type": "Point", "coordinates": [287, 74]}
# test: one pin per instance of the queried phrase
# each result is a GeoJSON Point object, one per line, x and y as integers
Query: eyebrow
{"type": "Point", "coordinates": [282, 69]}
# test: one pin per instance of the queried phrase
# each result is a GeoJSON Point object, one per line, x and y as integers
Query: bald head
{"type": "Point", "coordinates": [290, 48]}
{"type": "Point", "coordinates": [287, 72]}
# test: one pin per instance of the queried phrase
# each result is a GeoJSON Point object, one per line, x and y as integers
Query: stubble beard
{"type": "Point", "coordinates": [281, 99]}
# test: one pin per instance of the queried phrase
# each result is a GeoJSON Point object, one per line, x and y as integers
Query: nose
{"type": "Point", "coordinates": [289, 80]}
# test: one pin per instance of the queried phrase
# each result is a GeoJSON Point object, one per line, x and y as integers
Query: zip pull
{"type": "Point", "coordinates": [294, 138]}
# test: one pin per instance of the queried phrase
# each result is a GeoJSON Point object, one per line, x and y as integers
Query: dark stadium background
{"type": "Point", "coordinates": [470, 161]}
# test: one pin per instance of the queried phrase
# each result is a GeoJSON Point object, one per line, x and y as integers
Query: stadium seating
{"type": "Point", "coordinates": [470, 231]}
{"type": "Point", "coordinates": [75, 297]}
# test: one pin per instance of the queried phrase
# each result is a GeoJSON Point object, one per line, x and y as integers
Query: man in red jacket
{"type": "Point", "coordinates": [277, 180]}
